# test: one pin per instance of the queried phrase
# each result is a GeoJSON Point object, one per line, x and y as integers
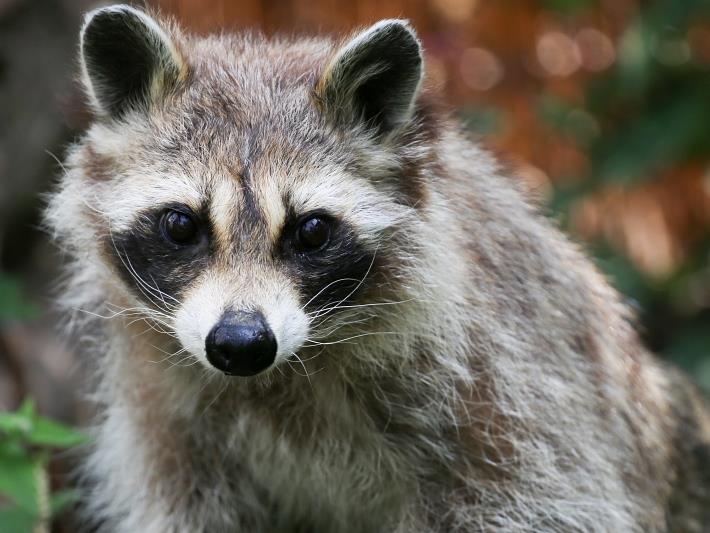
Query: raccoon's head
{"type": "Point", "coordinates": [241, 191]}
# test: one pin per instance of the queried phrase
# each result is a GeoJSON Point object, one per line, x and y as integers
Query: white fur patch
{"type": "Point", "coordinates": [203, 307]}
{"type": "Point", "coordinates": [355, 200]}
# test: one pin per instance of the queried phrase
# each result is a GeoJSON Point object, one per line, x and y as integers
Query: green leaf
{"type": "Point", "coordinates": [28, 408]}
{"type": "Point", "coordinates": [18, 479]}
{"type": "Point", "coordinates": [10, 447]}
{"type": "Point", "coordinates": [37, 430]}
{"type": "Point", "coordinates": [21, 420]}
{"type": "Point", "coordinates": [15, 423]}
{"type": "Point", "coordinates": [16, 520]}
{"type": "Point", "coordinates": [45, 432]}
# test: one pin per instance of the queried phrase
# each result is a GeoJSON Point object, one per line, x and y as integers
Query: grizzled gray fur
{"type": "Point", "coordinates": [316, 306]}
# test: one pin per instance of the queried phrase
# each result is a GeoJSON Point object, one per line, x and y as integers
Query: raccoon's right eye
{"type": "Point", "coordinates": [179, 227]}
{"type": "Point", "coordinates": [313, 233]}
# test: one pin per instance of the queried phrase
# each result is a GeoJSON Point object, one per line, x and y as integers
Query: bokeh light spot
{"type": "Point", "coordinates": [596, 49]}
{"type": "Point", "coordinates": [481, 70]}
{"type": "Point", "coordinates": [558, 54]}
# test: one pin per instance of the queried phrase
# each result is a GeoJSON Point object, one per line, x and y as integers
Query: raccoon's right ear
{"type": "Point", "coordinates": [127, 60]}
{"type": "Point", "coordinates": [374, 78]}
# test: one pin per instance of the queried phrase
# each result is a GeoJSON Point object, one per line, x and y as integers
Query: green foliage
{"type": "Point", "coordinates": [568, 6]}
{"type": "Point", "coordinates": [26, 443]}
{"type": "Point", "coordinates": [12, 302]}
{"type": "Point", "coordinates": [481, 120]}
{"type": "Point", "coordinates": [640, 120]}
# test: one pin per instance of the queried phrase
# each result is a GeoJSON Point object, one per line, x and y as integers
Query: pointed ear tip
{"type": "Point", "coordinates": [110, 9]}
{"type": "Point", "coordinates": [393, 22]}
{"type": "Point", "coordinates": [89, 16]}
{"type": "Point", "coordinates": [404, 26]}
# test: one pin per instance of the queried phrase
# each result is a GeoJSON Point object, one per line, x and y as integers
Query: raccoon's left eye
{"type": "Point", "coordinates": [178, 227]}
{"type": "Point", "coordinates": [313, 233]}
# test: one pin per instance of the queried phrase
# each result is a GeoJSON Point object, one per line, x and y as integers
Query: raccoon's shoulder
{"type": "Point", "coordinates": [688, 419]}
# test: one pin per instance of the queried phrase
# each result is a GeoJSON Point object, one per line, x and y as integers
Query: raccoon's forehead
{"type": "Point", "coordinates": [246, 178]}
{"type": "Point", "coordinates": [244, 63]}
{"type": "Point", "coordinates": [251, 86]}
{"type": "Point", "coordinates": [244, 134]}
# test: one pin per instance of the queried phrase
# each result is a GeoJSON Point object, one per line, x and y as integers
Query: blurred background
{"type": "Point", "coordinates": [601, 107]}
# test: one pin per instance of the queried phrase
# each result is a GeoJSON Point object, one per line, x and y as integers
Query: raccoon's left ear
{"type": "Point", "coordinates": [127, 60]}
{"type": "Point", "coordinates": [374, 77]}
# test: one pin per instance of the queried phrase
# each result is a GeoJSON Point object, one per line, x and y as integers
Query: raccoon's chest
{"type": "Point", "coordinates": [341, 479]}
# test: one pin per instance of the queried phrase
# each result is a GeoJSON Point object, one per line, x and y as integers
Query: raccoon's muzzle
{"type": "Point", "coordinates": [241, 344]}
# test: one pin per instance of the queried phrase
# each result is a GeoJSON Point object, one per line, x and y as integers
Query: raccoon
{"type": "Point", "coordinates": [316, 306]}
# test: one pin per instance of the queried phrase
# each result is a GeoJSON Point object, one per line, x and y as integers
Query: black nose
{"type": "Point", "coordinates": [241, 344]}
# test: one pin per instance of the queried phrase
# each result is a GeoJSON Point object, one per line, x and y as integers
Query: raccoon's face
{"type": "Point", "coordinates": [247, 191]}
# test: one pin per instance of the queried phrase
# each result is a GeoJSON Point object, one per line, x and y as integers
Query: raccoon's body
{"type": "Point", "coordinates": [415, 348]}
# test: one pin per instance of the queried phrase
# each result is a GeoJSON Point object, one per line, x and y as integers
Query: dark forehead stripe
{"type": "Point", "coordinates": [251, 221]}
{"type": "Point", "coordinates": [252, 218]}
